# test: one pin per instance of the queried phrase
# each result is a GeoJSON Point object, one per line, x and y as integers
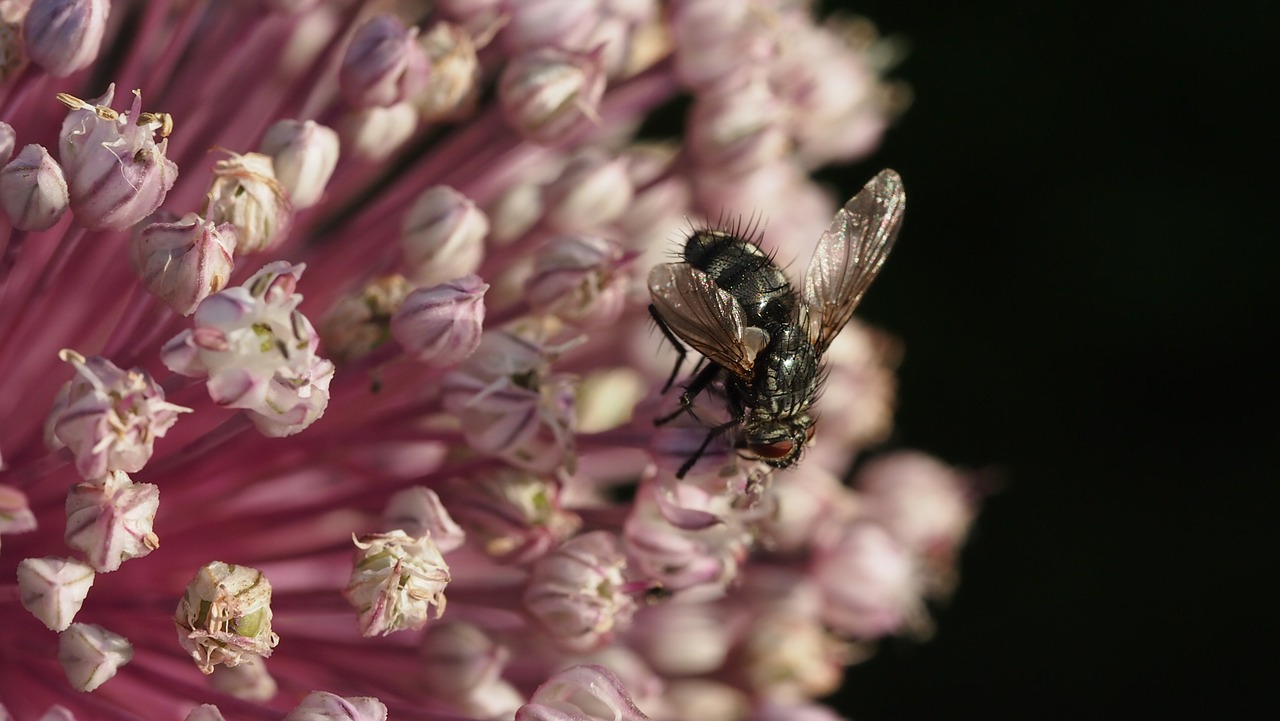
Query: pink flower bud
{"type": "Point", "coordinates": [374, 133]}
{"type": "Point", "coordinates": [224, 617]}
{"type": "Point", "coordinates": [396, 581]}
{"type": "Point", "coordinates": [249, 680]}
{"type": "Point", "coordinates": [582, 693]}
{"type": "Point", "coordinates": [246, 194]}
{"type": "Point", "coordinates": [738, 128]}
{"type": "Point", "coordinates": [683, 639]}
{"type": "Point", "coordinates": [682, 558]}
{"type": "Point", "coordinates": [516, 516]}
{"type": "Point", "coordinates": [205, 712]}
{"type": "Point", "coordinates": [33, 191]}
{"type": "Point", "coordinates": [511, 406]}
{"type": "Point", "coordinates": [868, 582]}
{"type": "Point", "coordinates": [443, 236]}
{"type": "Point", "coordinates": [304, 155]}
{"type": "Point", "coordinates": [53, 589]}
{"type": "Point", "coordinates": [418, 512]}
{"type": "Point", "coordinates": [111, 521]}
{"type": "Point", "coordinates": [592, 191]}
{"type": "Point", "coordinates": [579, 278]}
{"type": "Point", "coordinates": [459, 659]}
{"type": "Point", "coordinates": [384, 64]}
{"type": "Point", "coordinates": [548, 93]}
{"type": "Point", "coordinates": [924, 503]}
{"type": "Point", "coordinates": [441, 326]}
{"type": "Point", "coordinates": [111, 417]}
{"type": "Point", "coordinates": [15, 511]}
{"type": "Point", "coordinates": [63, 36]}
{"type": "Point", "coordinates": [453, 84]}
{"type": "Point", "coordinates": [324, 706]}
{"type": "Point", "coordinates": [116, 172]}
{"type": "Point", "coordinates": [535, 24]}
{"type": "Point", "coordinates": [578, 592]}
{"type": "Point", "coordinates": [185, 262]}
{"type": "Point", "coordinates": [90, 655]}
{"type": "Point", "coordinates": [8, 138]}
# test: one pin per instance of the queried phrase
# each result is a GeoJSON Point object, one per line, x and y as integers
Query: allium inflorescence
{"type": "Point", "coordinates": [455, 195]}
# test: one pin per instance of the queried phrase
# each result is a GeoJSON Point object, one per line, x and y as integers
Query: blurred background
{"type": "Point", "coordinates": [1086, 287]}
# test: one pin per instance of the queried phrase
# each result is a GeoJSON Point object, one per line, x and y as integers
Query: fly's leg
{"type": "Point", "coordinates": [711, 435]}
{"type": "Point", "coordinates": [700, 382]}
{"type": "Point", "coordinates": [675, 342]}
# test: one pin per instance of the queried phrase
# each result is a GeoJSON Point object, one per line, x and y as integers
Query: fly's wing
{"type": "Point", "coordinates": [704, 316]}
{"type": "Point", "coordinates": [850, 254]}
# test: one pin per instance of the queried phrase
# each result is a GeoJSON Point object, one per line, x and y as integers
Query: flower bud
{"type": "Point", "coordinates": [361, 322]}
{"type": "Point", "coordinates": [116, 172]}
{"type": "Point", "coordinates": [580, 279]}
{"type": "Point", "coordinates": [374, 133]}
{"type": "Point", "coordinates": [790, 655]}
{"type": "Point", "coordinates": [183, 263]}
{"type": "Point", "coordinates": [678, 557]}
{"type": "Point", "coordinates": [515, 212]}
{"type": "Point", "coordinates": [738, 128]}
{"type": "Point", "coordinates": [384, 64]}
{"type": "Point", "coordinates": [578, 592]}
{"type": "Point", "coordinates": [535, 24]}
{"type": "Point", "coordinates": [460, 660]}
{"type": "Point", "coordinates": [111, 521]}
{"type": "Point", "coordinates": [511, 406]}
{"type": "Point", "coordinates": [304, 155]}
{"type": "Point", "coordinates": [683, 639]}
{"type": "Point", "coordinates": [249, 681]}
{"type": "Point", "coordinates": [111, 417]}
{"type": "Point", "coordinates": [33, 191]}
{"type": "Point", "coordinates": [453, 84]}
{"type": "Point", "coordinates": [418, 512]}
{"type": "Point", "coordinates": [592, 191]}
{"type": "Point", "coordinates": [583, 693]}
{"type": "Point", "coordinates": [868, 583]}
{"type": "Point", "coordinates": [63, 36]}
{"type": "Point", "coordinates": [441, 326]}
{"type": "Point", "coordinates": [922, 502]}
{"type": "Point", "coordinates": [204, 712]}
{"type": "Point", "coordinates": [90, 655]}
{"type": "Point", "coordinates": [323, 706]}
{"type": "Point", "coordinates": [516, 516]}
{"type": "Point", "coordinates": [8, 138]}
{"type": "Point", "coordinates": [13, 58]}
{"type": "Point", "coordinates": [57, 713]}
{"type": "Point", "coordinates": [246, 194]}
{"type": "Point", "coordinates": [15, 511]}
{"type": "Point", "coordinates": [547, 93]}
{"type": "Point", "coordinates": [53, 589]}
{"type": "Point", "coordinates": [395, 581]}
{"type": "Point", "coordinates": [224, 617]}
{"type": "Point", "coordinates": [443, 236]}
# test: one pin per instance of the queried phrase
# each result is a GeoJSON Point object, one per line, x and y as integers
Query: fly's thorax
{"type": "Point", "coordinates": [786, 375]}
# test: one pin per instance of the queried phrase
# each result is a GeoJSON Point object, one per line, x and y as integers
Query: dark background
{"type": "Point", "coordinates": [1086, 286]}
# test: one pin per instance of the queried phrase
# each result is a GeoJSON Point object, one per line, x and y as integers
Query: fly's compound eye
{"type": "Point", "coordinates": [773, 451]}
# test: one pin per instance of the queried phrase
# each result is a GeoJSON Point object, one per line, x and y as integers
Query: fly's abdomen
{"type": "Point", "coordinates": [746, 272]}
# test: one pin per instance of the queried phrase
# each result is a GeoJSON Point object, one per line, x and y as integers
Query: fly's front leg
{"type": "Point", "coordinates": [700, 382]}
{"type": "Point", "coordinates": [711, 435]}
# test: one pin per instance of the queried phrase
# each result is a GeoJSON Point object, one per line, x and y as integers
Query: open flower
{"type": "Point", "coordinates": [464, 178]}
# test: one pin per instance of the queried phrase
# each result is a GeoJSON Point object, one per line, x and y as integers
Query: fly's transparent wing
{"type": "Point", "coordinates": [704, 316]}
{"type": "Point", "coordinates": [850, 254]}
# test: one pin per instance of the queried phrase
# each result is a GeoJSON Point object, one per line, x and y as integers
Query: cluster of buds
{"type": "Point", "coordinates": [464, 184]}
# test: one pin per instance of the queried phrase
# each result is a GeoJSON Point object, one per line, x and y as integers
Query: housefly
{"type": "Point", "coordinates": [730, 302]}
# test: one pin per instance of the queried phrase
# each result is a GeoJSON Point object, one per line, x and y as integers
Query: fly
{"type": "Point", "coordinates": [730, 302]}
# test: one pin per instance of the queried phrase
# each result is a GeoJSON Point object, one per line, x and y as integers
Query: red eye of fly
{"type": "Point", "coordinates": [781, 449]}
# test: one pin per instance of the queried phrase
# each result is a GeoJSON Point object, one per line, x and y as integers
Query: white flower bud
{"type": "Point", "coordinates": [418, 512]}
{"type": "Point", "coordinates": [111, 521]}
{"type": "Point", "coordinates": [90, 655]}
{"type": "Point", "coordinates": [8, 138]}
{"type": "Point", "coordinates": [361, 322]}
{"type": "Point", "coordinates": [304, 155]}
{"type": "Point", "coordinates": [384, 64]}
{"type": "Point", "coordinates": [53, 589]}
{"type": "Point", "coordinates": [580, 279]}
{"type": "Point", "coordinates": [246, 194]}
{"type": "Point", "coordinates": [395, 582]}
{"type": "Point", "coordinates": [249, 680]}
{"type": "Point", "coordinates": [578, 592]}
{"type": "Point", "coordinates": [441, 326]}
{"type": "Point", "coordinates": [15, 511]}
{"type": "Point", "coordinates": [591, 191]}
{"type": "Point", "coordinates": [224, 617]}
{"type": "Point", "coordinates": [323, 706]}
{"type": "Point", "coordinates": [185, 262]}
{"type": "Point", "coordinates": [63, 36]}
{"type": "Point", "coordinates": [374, 133]}
{"type": "Point", "coordinates": [453, 84]}
{"type": "Point", "coordinates": [443, 236]}
{"type": "Point", "coordinates": [55, 713]}
{"type": "Point", "coordinates": [205, 712]}
{"type": "Point", "coordinates": [547, 93]}
{"type": "Point", "coordinates": [33, 190]}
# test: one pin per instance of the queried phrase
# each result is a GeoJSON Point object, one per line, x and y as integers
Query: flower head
{"type": "Point", "coordinates": [466, 186]}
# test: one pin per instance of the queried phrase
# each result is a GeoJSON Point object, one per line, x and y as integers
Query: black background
{"type": "Point", "coordinates": [1086, 286]}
